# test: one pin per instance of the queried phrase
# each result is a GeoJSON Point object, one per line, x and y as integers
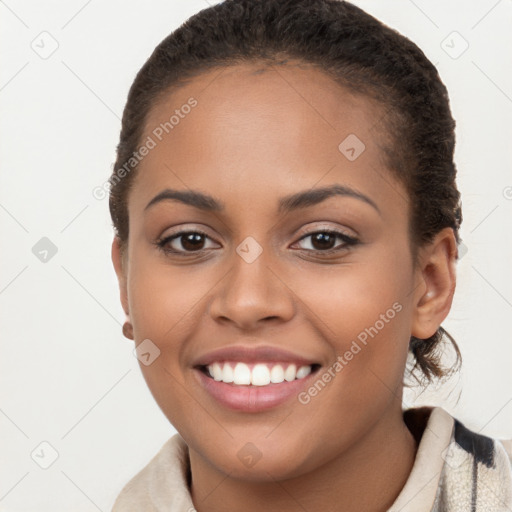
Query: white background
{"type": "Point", "coordinates": [68, 376]}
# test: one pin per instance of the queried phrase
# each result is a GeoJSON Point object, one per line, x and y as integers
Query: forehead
{"type": "Point", "coordinates": [257, 126]}
{"type": "Point", "coordinates": [253, 89]}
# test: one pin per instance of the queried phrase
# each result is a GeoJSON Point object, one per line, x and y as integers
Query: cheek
{"type": "Point", "coordinates": [163, 300]}
{"type": "Point", "coordinates": [364, 313]}
{"type": "Point", "coordinates": [355, 300]}
{"type": "Point", "coordinates": [163, 303]}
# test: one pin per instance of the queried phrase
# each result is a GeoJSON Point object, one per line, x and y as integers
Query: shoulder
{"type": "Point", "coordinates": [483, 449]}
{"type": "Point", "coordinates": [159, 484]}
{"type": "Point", "coordinates": [456, 468]}
{"type": "Point", "coordinates": [477, 471]}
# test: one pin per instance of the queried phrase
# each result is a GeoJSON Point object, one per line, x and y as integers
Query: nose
{"type": "Point", "coordinates": [253, 293]}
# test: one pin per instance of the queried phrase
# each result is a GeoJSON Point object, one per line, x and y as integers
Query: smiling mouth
{"type": "Point", "coordinates": [261, 374]}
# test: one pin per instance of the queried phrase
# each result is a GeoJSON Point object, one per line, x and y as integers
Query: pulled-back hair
{"type": "Point", "coordinates": [362, 55]}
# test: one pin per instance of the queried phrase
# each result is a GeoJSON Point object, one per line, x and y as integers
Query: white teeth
{"type": "Point", "coordinates": [228, 374]}
{"type": "Point", "coordinates": [217, 371]}
{"type": "Point", "coordinates": [303, 371]}
{"type": "Point", "coordinates": [290, 372]}
{"type": "Point", "coordinates": [277, 374]}
{"type": "Point", "coordinates": [242, 374]}
{"type": "Point", "coordinates": [260, 375]}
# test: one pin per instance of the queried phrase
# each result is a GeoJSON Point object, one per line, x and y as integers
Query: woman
{"type": "Point", "coordinates": [286, 220]}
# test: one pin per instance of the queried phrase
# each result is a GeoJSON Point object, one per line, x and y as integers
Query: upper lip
{"type": "Point", "coordinates": [252, 354]}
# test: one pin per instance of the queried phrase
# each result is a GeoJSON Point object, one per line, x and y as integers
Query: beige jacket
{"type": "Point", "coordinates": [455, 470]}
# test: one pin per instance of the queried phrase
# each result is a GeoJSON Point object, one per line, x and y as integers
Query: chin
{"type": "Point", "coordinates": [259, 461]}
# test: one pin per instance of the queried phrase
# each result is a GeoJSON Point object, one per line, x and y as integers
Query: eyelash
{"type": "Point", "coordinates": [348, 242]}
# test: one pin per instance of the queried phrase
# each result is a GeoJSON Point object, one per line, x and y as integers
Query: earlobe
{"type": "Point", "coordinates": [437, 284]}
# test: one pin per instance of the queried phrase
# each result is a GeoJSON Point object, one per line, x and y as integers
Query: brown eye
{"type": "Point", "coordinates": [323, 241]}
{"type": "Point", "coordinates": [184, 242]}
{"type": "Point", "coordinates": [192, 241]}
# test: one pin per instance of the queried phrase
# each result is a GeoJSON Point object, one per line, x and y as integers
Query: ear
{"type": "Point", "coordinates": [120, 265]}
{"type": "Point", "coordinates": [435, 284]}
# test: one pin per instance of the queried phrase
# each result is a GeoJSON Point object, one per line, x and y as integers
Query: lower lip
{"type": "Point", "coordinates": [252, 398]}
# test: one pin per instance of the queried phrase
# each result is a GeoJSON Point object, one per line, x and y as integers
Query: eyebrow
{"type": "Point", "coordinates": [286, 204]}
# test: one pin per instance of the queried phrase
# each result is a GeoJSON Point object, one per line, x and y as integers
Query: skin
{"type": "Point", "coordinates": [254, 137]}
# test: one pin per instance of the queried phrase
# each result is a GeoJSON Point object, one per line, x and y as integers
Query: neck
{"type": "Point", "coordinates": [369, 477]}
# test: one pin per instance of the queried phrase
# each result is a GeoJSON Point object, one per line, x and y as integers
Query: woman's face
{"type": "Point", "coordinates": [261, 278]}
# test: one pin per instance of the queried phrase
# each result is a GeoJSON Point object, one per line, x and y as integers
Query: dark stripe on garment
{"type": "Point", "coordinates": [480, 446]}
{"type": "Point", "coordinates": [474, 485]}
